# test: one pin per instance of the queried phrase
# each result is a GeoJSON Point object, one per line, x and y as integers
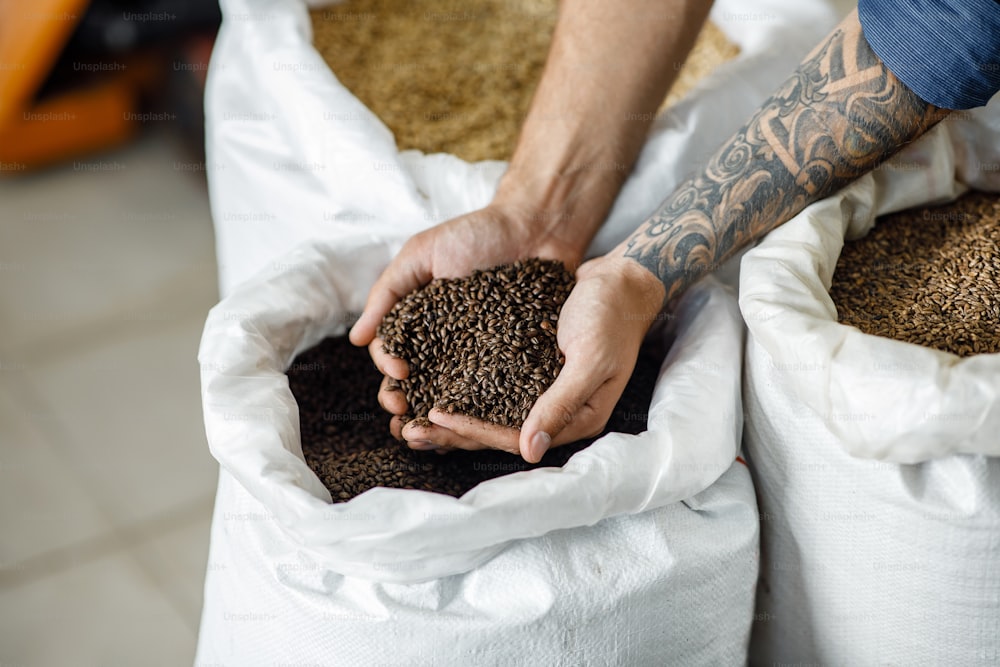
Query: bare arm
{"type": "Point", "coordinates": [839, 115]}
{"type": "Point", "coordinates": [608, 71]}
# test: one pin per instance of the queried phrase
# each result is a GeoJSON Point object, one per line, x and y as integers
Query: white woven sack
{"type": "Point", "coordinates": [620, 569]}
{"type": "Point", "coordinates": [879, 499]}
{"type": "Point", "coordinates": [292, 156]}
{"type": "Point", "coordinates": [672, 586]}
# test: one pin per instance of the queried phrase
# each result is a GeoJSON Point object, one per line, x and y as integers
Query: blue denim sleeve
{"type": "Point", "coordinates": [945, 51]}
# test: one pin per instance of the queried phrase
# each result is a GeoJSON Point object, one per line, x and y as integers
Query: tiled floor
{"type": "Point", "coordinates": [107, 270]}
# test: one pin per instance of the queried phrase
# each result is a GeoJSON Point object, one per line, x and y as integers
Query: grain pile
{"type": "Point", "coordinates": [443, 76]}
{"type": "Point", "coordinates": [346, 441]}
{"type": "Point", "coordinates": [929, 276]}
{"type": "Point", "coordinates": [483, 345]}
{"type": "Point", "coordinates": [458, 78]}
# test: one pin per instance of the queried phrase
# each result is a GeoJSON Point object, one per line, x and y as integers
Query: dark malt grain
{"type": "Point", "coordinates": [346, 442]}
{"type": "Point", "coordinates": [483, 345]}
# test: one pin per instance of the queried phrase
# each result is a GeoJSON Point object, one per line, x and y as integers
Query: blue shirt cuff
{"type": "Point", "coordinates": [945, 51]}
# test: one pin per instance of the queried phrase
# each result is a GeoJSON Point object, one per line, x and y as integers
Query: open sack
{"type": "Point", "coordinates": [615, 551]}
{"type": "Point", "coordinates": [307, 185]}
{"type": "Point", "coordinates": [873, 459]}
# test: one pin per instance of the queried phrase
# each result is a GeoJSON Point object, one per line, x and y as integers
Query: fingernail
{"type": "Point", "coordinates": [422, 445]}
{"type": "Point", "coordinates": [540, 444]}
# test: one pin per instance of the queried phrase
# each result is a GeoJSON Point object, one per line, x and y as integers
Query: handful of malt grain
{"type": "Point", "coordinates": [929, 276]}
{"type": "Point", "coordinates": [484, 345]}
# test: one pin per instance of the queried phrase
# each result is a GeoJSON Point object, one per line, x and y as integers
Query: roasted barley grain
{"type": "Point", "coordinates": [346, 441]}
{"type": "Point", "coordinates": [492, 368]}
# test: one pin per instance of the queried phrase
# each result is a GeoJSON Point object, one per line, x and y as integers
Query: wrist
{"type": "Point", "coordinates": [544, 228]}
{"type": "Point", "coordinates": [641, 292]}
{"type": "Point", "coordinates": [646, 253]}
{"type": "Point", "coordinates": [526, 237]}
{"type": "Point", "coordinates": [565, 198]}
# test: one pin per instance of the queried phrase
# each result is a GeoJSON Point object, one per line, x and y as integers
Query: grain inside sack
{"type": "Point", "coordinates": [346, 440]}
{"type": "Point", "coordinates": [458, 78]}
{"type": "Point", "coordinates": [929, 276]}
{"type": "Point", "coordinates": [483, 345]}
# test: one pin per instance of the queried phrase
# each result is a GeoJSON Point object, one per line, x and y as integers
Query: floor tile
{"type": "Point", "coordinates": [126, 415]}
{"type": "Point", "coordinates": [107, 271]}
{"type": "Point", "coordinates": [91, 241]}
{"type": "Point", "coordinates": [176, 559]}
{"type": "Point", "coordinates": [106, 612]}
{"type": "Point", "coordinates": [43, 505]}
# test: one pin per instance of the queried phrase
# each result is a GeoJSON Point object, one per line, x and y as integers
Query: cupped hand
{"type": "Point", "coordinates": [497, 234]}
{"type": "Point", "coordinates": [601, 327]}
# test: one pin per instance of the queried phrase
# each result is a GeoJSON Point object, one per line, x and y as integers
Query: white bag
{"type": "Point", "coordinates": [892, 557]}
{"type": "Point", "coordinates": [620, 572]}
{"type": "Point", "coordinates": [294, 156]}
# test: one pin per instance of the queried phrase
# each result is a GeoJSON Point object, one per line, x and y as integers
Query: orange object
{"type": "Point", "coordinates": [33, 133]}
{"type": "Point", "coordinates": [70, 124]}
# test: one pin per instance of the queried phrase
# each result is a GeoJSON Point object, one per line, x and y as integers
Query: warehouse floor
{"type": "Point", "coordinates": [107, 270]}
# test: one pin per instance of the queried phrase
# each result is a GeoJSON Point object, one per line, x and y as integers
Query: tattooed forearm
{"type": "Point", "coordinates": [839, 115]}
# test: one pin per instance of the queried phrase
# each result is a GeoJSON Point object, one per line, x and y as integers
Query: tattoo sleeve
{"type": "Point", "coordinates": [837, 117]}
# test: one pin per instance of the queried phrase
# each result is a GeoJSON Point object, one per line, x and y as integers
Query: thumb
{"type": "Point", "coordinates": [401, 277]}
{"type": "Point", "coordinates": [557, 408]}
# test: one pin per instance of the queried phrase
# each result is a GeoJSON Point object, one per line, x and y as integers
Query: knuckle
{"type": "Point", "coordinates": [558, 414]}
{"type": "Point", "coordinates": [594, 421]}
{"type": "Point", "coordinates": [595, 428]}
{"type": "Point", "coordinates": [415, 244]}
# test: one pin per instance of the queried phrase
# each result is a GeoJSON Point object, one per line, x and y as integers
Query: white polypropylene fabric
{"type": "Point", "coordinates": [879, 499]}
{"type": "Point", "coordinates": [671, 586]}
{"type": "Point", "coordinates": [615, 551]}
{"type": "Point", "coordinates": [251, 419]}
{"type": "Point", "coordinates": [293, 157]}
